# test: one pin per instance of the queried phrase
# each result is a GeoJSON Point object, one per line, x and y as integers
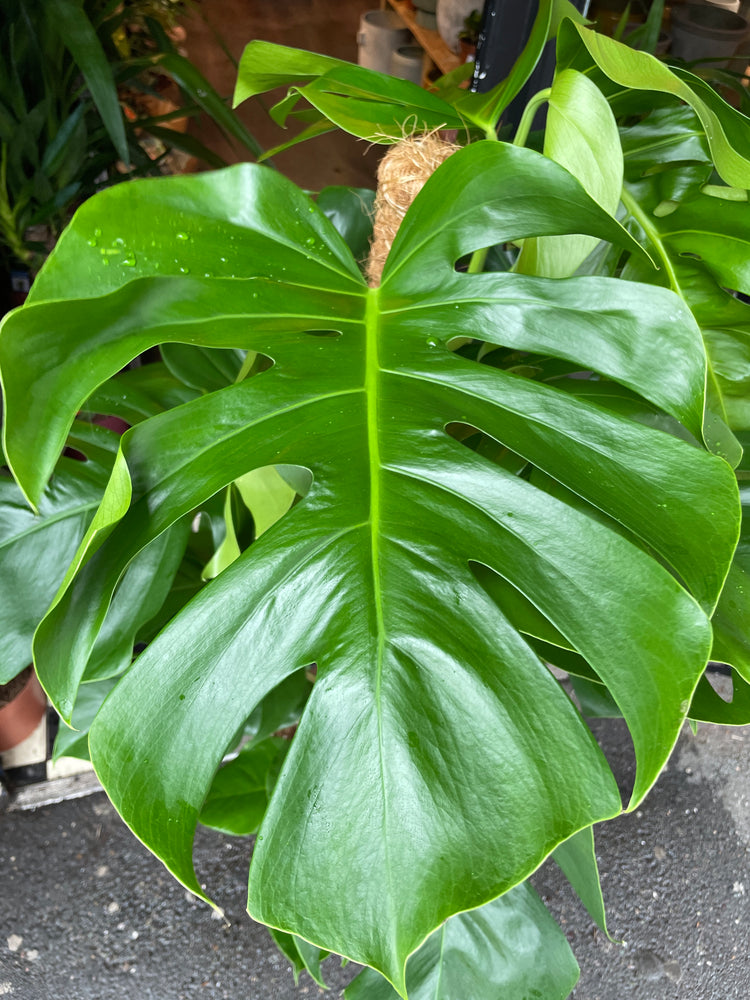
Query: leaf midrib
{"type": "Point", "coordinates": [371, 387]}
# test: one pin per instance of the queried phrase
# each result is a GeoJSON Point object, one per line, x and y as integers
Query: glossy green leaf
{"type": "Point", "coordinates": [577, 859]}
{"type": "Point", "coordinates": [351, 212]}
{"type": "Point", "coordinates": [672, 135]}
{"type": "Point", "coordinates": [726, 129]}
{"type": "Point", "coordinates": [712, 231]}
{"type": "Point", "coordinates": [732, 615]}
{"type": "Point", "coordinates": [139, 393]}
{"type": "Point", "coordinates": [265, 66]}
{"type": "Point", "coordinates": [708, 706]}
{"type": "Point", "coordinates": [437, 761]}
{"type": "Point", "coordinates": [581, 134]}
{"type": "Point", "coordinates": [140, 593]}
{"type": "Point", "coordinates": [202, 368]}
{"type": "Point", "coordinates": [702, 246]}
{"type": "Point", "coordinates": [35, 550]}
{"type": "Point", "coordinates": [73, 740]}
{"type": "Point", "coordinates": [507, 950]}
{"type": "Point", "coordinates": [237, 799]}
{"type": "Point", "coordinates": [378, 107]}
{"type": "Point", "coordinates": [367, 104]}
{"type": "Point", "coordinates": [301, 954]}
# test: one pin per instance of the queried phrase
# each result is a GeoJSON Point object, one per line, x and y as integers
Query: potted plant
{"type": "Point", "coordinates": [518, 449]}
{"type": "Point", "coordinates": [469, 35]}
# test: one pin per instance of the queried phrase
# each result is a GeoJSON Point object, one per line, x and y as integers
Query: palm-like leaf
{"type": "Point", "coordinates": [438, 761]}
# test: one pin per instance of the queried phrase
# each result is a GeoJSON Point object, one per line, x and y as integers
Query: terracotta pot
{"type": "Point", "coordinates": [22, 706]}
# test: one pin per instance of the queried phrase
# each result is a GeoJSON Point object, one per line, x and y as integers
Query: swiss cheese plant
{"type": "Point", "coordinates": [451, 481]}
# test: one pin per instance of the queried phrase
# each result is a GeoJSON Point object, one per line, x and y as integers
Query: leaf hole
{"type": "Point", "coordinates": [485, 445]}
{"type": "Point", "coordinates": [252, 504]}
{"type": "Point", "coordinates": [324, 333]}
{"type": "Point", "coordinates": [719, 676]}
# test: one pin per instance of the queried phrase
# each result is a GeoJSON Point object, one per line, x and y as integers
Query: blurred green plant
{"type": "Point", "coordinates": [73, 76]}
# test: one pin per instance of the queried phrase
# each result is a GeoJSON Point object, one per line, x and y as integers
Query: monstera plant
{"type": "Point", "coordinates": [519, 449]}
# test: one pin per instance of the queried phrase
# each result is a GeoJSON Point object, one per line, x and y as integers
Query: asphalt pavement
{"type": "Point", "coordinates": [86, 912]}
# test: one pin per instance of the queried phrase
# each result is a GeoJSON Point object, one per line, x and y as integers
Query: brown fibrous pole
{"type": "Point", "coordinates": [402, 174]}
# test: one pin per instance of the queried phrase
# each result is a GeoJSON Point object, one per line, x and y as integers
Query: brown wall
{"type": "Point", "coordinates": [328, 26]}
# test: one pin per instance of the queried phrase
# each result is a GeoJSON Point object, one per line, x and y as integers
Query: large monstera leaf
{"type": "Point", "coordinates": [437, 761]}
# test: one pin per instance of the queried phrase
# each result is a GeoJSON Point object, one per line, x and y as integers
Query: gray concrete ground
{"type": "Point", "coordinates": [675, 877]}
{"type": "Point", "coordinates": [86, 913]}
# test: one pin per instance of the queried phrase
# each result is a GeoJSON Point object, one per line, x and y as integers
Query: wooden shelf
{"type": "Point", "coordinates": [444, 58]}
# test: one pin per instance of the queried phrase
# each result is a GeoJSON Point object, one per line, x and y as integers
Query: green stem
{"type": "Point", "coordinates": [524, 126]}
{"type": "Point", "coordinates": [478, 260]}
{"type": "Point", "coordinates": [644, 221]}
{"type": "Point", "coordinates": [479, 257]}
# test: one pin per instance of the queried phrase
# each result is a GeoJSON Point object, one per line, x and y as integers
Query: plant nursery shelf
{"type": "Point", "coordinates": [444, 58]}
